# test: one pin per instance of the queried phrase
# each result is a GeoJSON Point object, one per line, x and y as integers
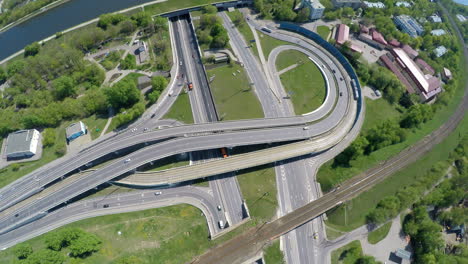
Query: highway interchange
{"type": "Point", "coordinates": [327, 127]}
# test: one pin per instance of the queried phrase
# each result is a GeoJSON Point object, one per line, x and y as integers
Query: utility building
{"type": "Point", "coordinates": [75, 130]}
{"type": "Point", "coordinates": [22, 144]}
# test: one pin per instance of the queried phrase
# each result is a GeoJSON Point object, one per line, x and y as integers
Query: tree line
{"type": "Point", "coordinates": [211, 32]}
{"type": "Point", "coordinates": [282, 10]}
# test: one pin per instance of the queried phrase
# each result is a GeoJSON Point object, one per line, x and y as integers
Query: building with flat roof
{"type": "Point", "coordinates": [440, 51]}
{"type": "Point", "coordinates": [428, 85]}
{"type": "Point", "coordinates": [315, 7]}
{"type": "Point", "coordinates": [447, 74]}
{"type": "Point", "coordinates": [395, 43]}
{"type": "Point", "coordinates": [438, 32]}
{"type": "Point", "coordinates": [368, 4]}
{"type": "Point", "coordinates": [408, 25]}
{"type": "Point", "coordinates": [410, 51]}
{"type": "Point", "coordinates": [342, 34]}
{"type": "Point", "coordinates": [22, 144]}
{"type": "Point", "coordinates": [461, 18]}
{"type": "Point", "coordinates": [435, 18]}
{"type": "Point", "coordinates": [75, 130]}
{"type": "Point", "coordinates": [347, 3]}
{"type": "Point", "coordinates": [425, 66]}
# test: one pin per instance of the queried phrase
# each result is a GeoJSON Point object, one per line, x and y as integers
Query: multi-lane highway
{"type": "Point", "coordinates": [176, 140]}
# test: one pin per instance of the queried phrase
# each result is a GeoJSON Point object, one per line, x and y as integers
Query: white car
{"type": "Point", "coordinates": [306, 128]}
{"type": "Point", "coordinates": [157, 193]}
{"type": "Point", "coordinates": [127, 160]}
{"type": "Point", "coordinates": [221, 224]}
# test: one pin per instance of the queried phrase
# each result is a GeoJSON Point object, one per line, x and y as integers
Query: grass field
{"type": "Point", "coordinates": [357, 208]}
{"type": "Point", "coordinates": [95, 125]}
{"type": "Point", "coordinates": [268, 43]}
{"type": "Point", "coordinates": [304, 83]}
{"type": "Point", "coordinates": [181, 109]}
{"type": "Point", "coordinates": [233, 95]}
{"type": "Point", "coordinates": [378, 111]}
{"type": "Point", "coordinates": [323, 31]}
{"type": "Point", "coordinates": [167, 6]}
{"type": "Point", "coordinates": [336, 255]}
{"type": "Point", "coordinates": [380, 233]}
{"type": "Point", "coordinates": [273, 254]}
{"type": "Point", "coordinates": [245, 31]}
{"type": "Point", "coordinates": [258, 186]}
{"type": "Point", "coordinates": [168, 163]}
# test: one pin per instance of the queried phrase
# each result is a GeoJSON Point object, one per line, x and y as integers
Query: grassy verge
{"type": "Point", "coordinates": [304, 83]}
{"type": "Point", "coordinates": [273, 254]}
{"type": "Point", "coordinates": [352, 213]}
{"type": "Point", "coordinates": [332, 233]}
{"type": "Point", "coordinates": [378, 111]}
{"type": "Point", "coordinates": [380, 233]}
{"type": "Point", "coordinates": [323, 31]}
{"type": "Point", "coordinates": [171, 5]}
{"type": "Point", "coordinates": [181, 110]}
{"type": "Point", "coordinates": [168, 163]}
{"type": "Point", "coordinates": [268, 43]}
{"type": "Point", "coordinates": [258, 186]}
{"type": "Point", "coordinates": [95, 125]}
{"type": "Point", "coordinates": [233, 95]}
{"type": "Point", "coordinates": [289, 57]}
{"type": "Point", "coordinates": [340, 254]}
{"type": "Point", "coordinates": [245, 31]}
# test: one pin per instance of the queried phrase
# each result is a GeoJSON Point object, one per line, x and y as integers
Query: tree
{"type": "Point", "coordinates": [45, 256]}
{"type": "Point", "coordinates": [238, 19]}
{"type": "Point", "coordinates": [127, 27]}
{"type": "Point", "coordinates": [142, 19]}
{"type": "Point", "coordinates": [3, 75]}
{"type": "Point", "coordinates": [159, 83]}
{"type": "Point", "coordinates": [303, 15]}
{"type": "Point", "coordinates": [366, 260]}
{"type": "Point", "coordinates": [122, 94]}
{"type": "Point", "coordinates": [128, 63]}
{"type": "Point", "coordinates": [106, 20]}
{"type": "Point", "coordinates": [32, 49]}
{"type": "Point", "coordinates": [417, 114]}
{"type": "Point", "coordinates": [22, 250]}
{"type": "Point", "coordinates": [210, 9]}
{"type": "Point", "coordinates": [352, 152]}
{"type": "Point", "coordinates": [160, 23]}
{"type": "Point", "coordinates": [48, 137]}
{"type": "Point", "coordinates": [64, 86]}
{"type": "Point", "coordinates": [84, 245]}
{"type": "Point", "coordinates": [15, 67]}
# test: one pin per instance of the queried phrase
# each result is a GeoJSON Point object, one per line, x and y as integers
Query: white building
{"type": "Point", "coordinates": [435, 18]}
{"type": "Point", "coordinates": [440, 51]}
{"type": "Point", "coordinates": [403, 3]}
{"type": "Point", "coordinates": [379, 5]}
{"type": "Point", "coordinates": [461, 18]}
{"type": "Point", "coordinates": [438, 32]}
{"type": "Point", "coordinates": [22, 144]}
{"type": "Point", "coordinates": [315, 7]}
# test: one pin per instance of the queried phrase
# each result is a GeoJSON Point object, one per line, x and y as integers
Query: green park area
{"type": "Point", "coordinates": [380, 233]}
{"type": "Point", "coordinates": [273, 254]}
{"type": "Point", "coordinates": [268, 43]}
{"type": "Point", "coordinates": [304, 83]}
{"type": "Point", "coordinates": [347, 254]}
{"type": "Point", "coordinates": [181, 109]}
{"type": "Point", "coordinates": [323, 31]}
{"type": "Point", "coordinates": [233, 94]}
{"type": "Point", "coordinates": [378, 111]}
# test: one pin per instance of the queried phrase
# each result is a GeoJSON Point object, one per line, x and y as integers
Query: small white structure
{"type": "Point", "coordinates": [379, 5]}
{"type": "Point", "coordinates": [438, 32]}
{"type": "Point", "coordinates": [440, 51]}
{"type": "Point", "coordinates": [403, 3]}
{"type": "Point", "coordinates": [75, 130]}
{"type": "Point", "coordinates": [461, 18]}
{"type": "Point", "coordinates": [435, 18]}
{"type": "Point", "coordinates": [22, 144]}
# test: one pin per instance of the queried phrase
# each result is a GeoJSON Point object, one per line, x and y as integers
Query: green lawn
{"type": "Point", "coordinates": [245, 31]}
{"type": "Point", "coordinates": [378, 111]}
{"type": "Point", "coordinates": [289, 57]}
{"type": "Point", "coordinates": [380, 233]}
{"type": "Point", "coordinates": [359, 207]}
{"type": "Point", "coordinates": [273, 254]}
{"type": "Point", "coordinates": [258, 186]}
{"type": "Point", "coordinates": [167, 6]}
{"type": "Point", "coordinates": [8, 175]}
{"type": "Point", "coordinates": [268, 43]}
{"type": "Point", "coordinates": [111, 60]}
{"type": "Point", "coordinates": [95, 125]}
{"type": "Point", "coordinates": [172, 234]}
{"type": "Point", "coordinates": [338, 255]}
{"type": "Point", "coordinates": [323, 31]}
{"type": "Point", "coordinates": [233, 95]}
{"type": "Point", "coordinates": [305, 83]}
{"type": "Point", "coordinates": [332, 233]}
{"type": "Point", "coordinates": [181, 109]}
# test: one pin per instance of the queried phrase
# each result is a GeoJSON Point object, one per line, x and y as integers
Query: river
{"type": "Point", "coordinates": [56, 20]}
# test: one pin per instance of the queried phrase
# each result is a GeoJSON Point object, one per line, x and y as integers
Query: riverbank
{"type": "Point", "coordinates": [33, 14]}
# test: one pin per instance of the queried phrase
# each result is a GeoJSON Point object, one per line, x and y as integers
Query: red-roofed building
{"type": "Point", "coordinates": [425, 66]}
{"type": "Point", "coordinates": [410, 51]}
{"type": "Point", "coordinates": [368, 39]}
{"type": "Point", "coordinates": [364, 29]}
{"type": "Point", "coordinates": [342, 34]}
{"type": "Point", "coordinates": [387, 62]}
{"type": "Point", "coordinates": [395, 43]}
{"type": "Point", "coordinates": [377, 36]}
{"type": "Point", "coordinates": [355, 48]}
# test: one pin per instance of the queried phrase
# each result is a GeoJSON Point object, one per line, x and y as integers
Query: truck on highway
{"type": "Point", "coordinates": [190, 86]}
{"type": "Point", "coordinates": [224, 152]}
